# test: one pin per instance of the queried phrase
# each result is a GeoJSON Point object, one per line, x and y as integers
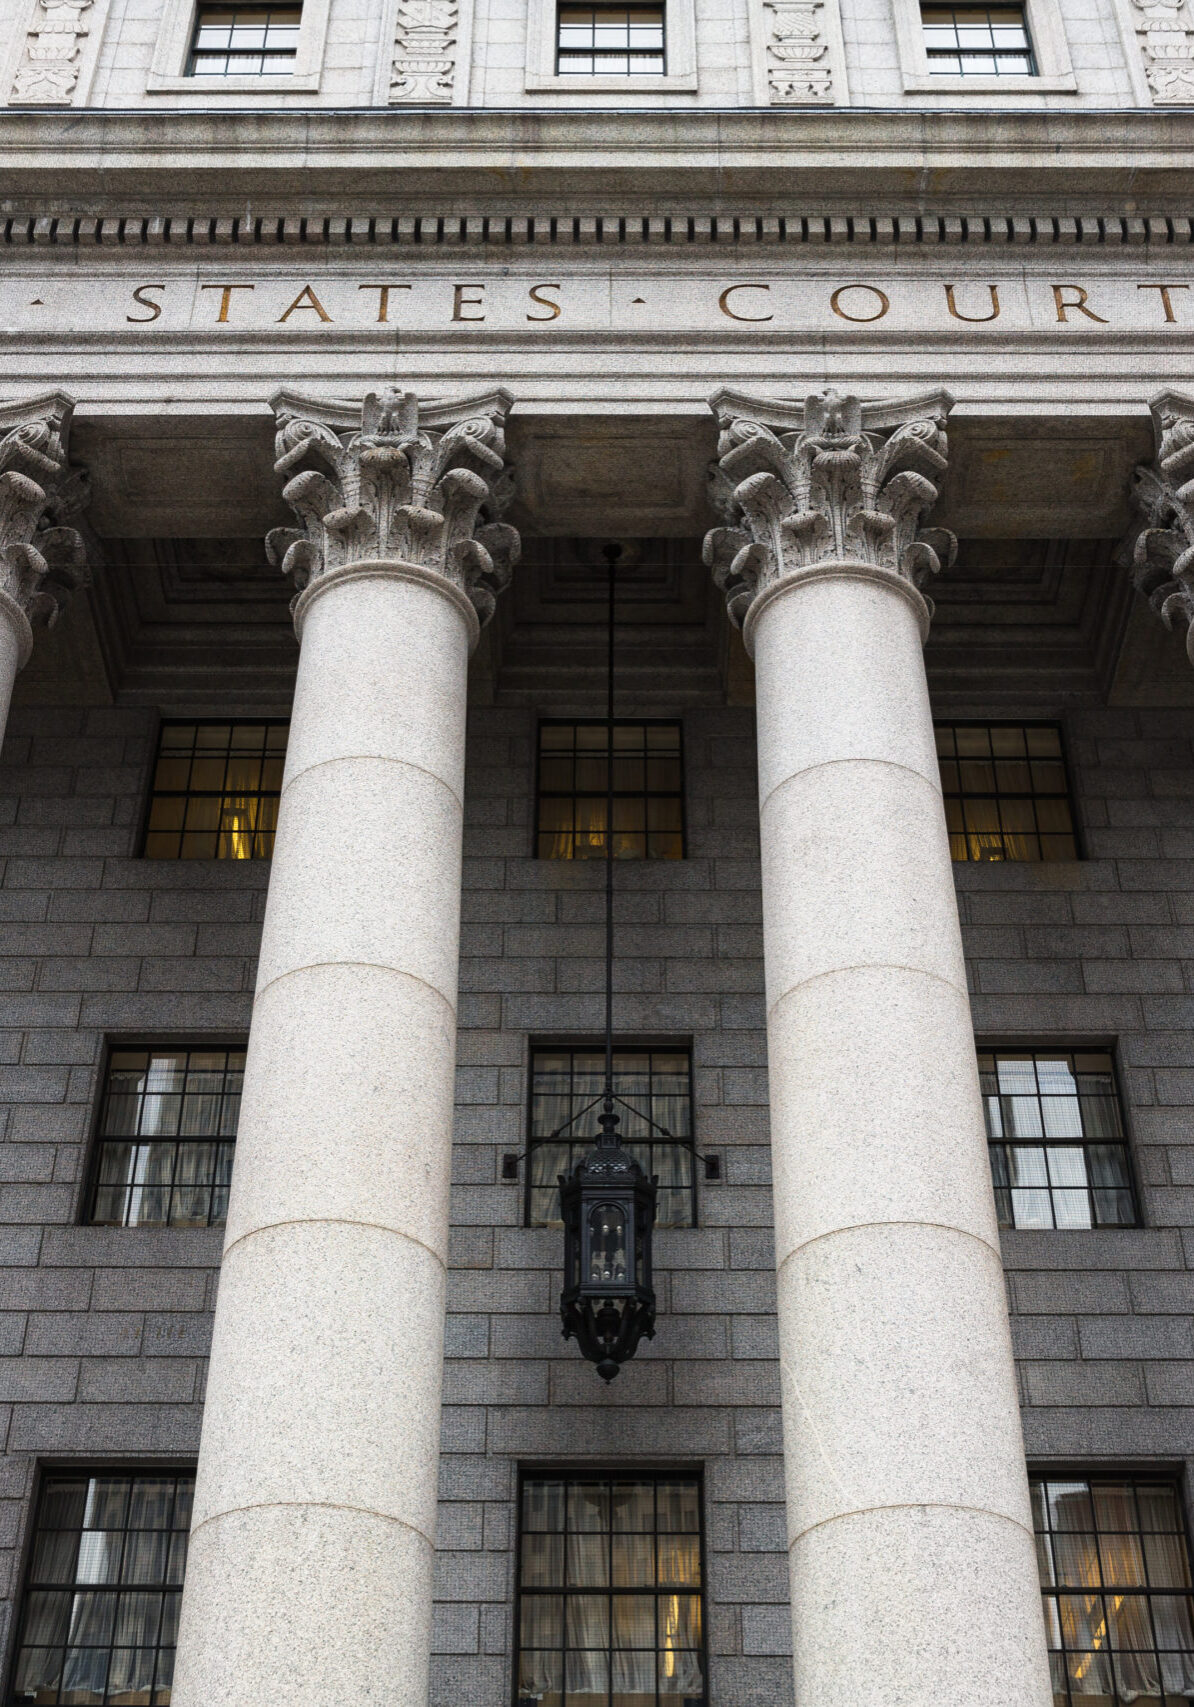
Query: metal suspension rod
{"type": "Point", "coordinates": [611, 553]}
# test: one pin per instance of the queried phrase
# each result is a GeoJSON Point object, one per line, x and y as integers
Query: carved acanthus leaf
{"type": "Point", "coordinates": [402, 481]}
{"type": "Point", "coordinates": [831, 479]}
{"type": "Point", "coordinates": [1160, 546]}
{"type": "Point", "coordinates": [42, 557]}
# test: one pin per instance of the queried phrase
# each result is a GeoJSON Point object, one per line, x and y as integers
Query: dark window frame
{"type": "Point", "coordinates": [151, 793]}
{"type": "Point", "coordinates": [203, 12]}
{"type": "Point", "coordinates": [1071, 798]}
{"type": "Point", "coordinates": [676, 723]}
{"type": "Point", "coordinates": [46, 1470]}
{"type": "Point", "coordinates": [601, 1471]}
{"type": "Point", "coordinates": [944, 9]}
{"type": "Point", "coordinates": [1035, 1046]}
{"type": "Point", "coordinates": [96, 1140]}
{"type": "Point", "coordinates": [563, 55]}
{"type": "Point", "coordinates": [622, 1045]}
{"type": "Point", "coordinates": [1171, 1476]}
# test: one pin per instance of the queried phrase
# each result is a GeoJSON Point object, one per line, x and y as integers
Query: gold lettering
{"type": "Point", "coordinates": [973, 319]}
{"type": "Point", "coordinates": [1165, 297]}
{"type": "Point", "coordinates": [312, 301]}
{"type": "Point", "coordinates": [859, 319]}
{"type": "Point", "coordinates": [460, 302]}
{"type": "Point", "coordinates": [1079, 302]}
{"type": "Point", "coordinates": [723, 302]}
{"type": "Point", "coordinates": [155, 308]}
{"type": "Point", "coordinates": [383, 298]}
{"type": "Point", "coordinates": [226, 298]}
{"type": "Point", "coordinates": [544, 302]}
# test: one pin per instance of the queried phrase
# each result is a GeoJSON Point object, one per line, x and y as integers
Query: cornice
{"type": "Point", "coordinates": [247, 164]}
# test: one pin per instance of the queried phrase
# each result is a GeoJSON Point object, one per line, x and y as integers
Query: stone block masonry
{"type": "Point", "coordinates": [103, 1332]}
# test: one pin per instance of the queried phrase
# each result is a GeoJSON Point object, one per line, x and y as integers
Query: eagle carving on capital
{"type": "Point", "coordinates": [829, 479]}
{"type": "Point", "coordinates": [394, 479]}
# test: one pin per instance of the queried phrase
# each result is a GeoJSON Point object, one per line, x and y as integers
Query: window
{"type": "Point", "coordinates": [216, 788]}
{"type": "Point", "coordinates": [99, 1618]}
{"type": "Point", "coordinates": [244, 41]}
{"type": "Point", "coordinates": [655, 1082]}
{"type": "Point", "coordinates": [167, 1133]}
{"type": "Point", "coordinates": [1006, 791]}
{"type": "Point", "coordinates": [977, 41]}
{"type": "Point", "coordinates": [610, 41]}
{"type": "Point", "coordinates": [648, 791]}
{"type": "Point", "coordinates": [1114, 1562]}
{"type": "Point", "coordinates": [1056, 1135]}
{"type": "Point", "coordinates": [609, 1600]}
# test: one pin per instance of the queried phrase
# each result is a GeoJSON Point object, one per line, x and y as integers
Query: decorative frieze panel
{"type": "Point", "coordinates": [1161, 549]}
{"type": "Point", "coordinates": [798, 59]}
{"type": "Point", "coordinates": [1165, 31]}
{"type": "Point", "coordinates": [828, 480]}
{"type": "Point", "coordinates": [400, 482]}
{"type": "Point", "coordinates": [799, 69]}
{"type": "Point", "coordinates": [50, 65]}
{"type": "Point", "coordinates": [423, 71]}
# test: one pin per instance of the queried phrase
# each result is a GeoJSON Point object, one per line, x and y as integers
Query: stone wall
{"type": "Point", "coordinates": [103, 1332]}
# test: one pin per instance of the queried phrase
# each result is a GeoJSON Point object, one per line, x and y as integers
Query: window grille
{"type": "Point", "coordinates": [244, 41]}
{"type": "Point", "coordinates": [1007, 793]}
{"type": "Point", "coordinates": [610, 1609]}
{"type": "Point", "coordinates": [216, 788]}
{"type": "Point", "coordinates": [166, 1138]}
{"type": "Point", "coordinates": [648, 791]}
{"type": "Point", "coordinates": [99, 1616]}
{"type": "Point", "coordinates": [1055, 1129]}
{"type": "Point", "coordinates": [1114, 1563]}
{"type": "Point", "coordinates": [977, 41]}
{"type": "Point", "coordinates": [654, 1082]}
{"type": "Point", "coordinates": [610, 41]}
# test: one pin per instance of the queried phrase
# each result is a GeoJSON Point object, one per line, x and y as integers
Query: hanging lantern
{"type": "Point", "coordinates": [608, 1202]}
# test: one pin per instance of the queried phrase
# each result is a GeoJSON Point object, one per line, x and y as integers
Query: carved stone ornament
{"type": "Point", "coordinates": [829, 480]}
{"type": "Point", "coordinates": [42, 558]}
{"type": "Point", "coordinates": [423, 69]}
{"type": "Point", "coordinates": [396, 480]}
{"type": "Point", "coordinates": [1161, 546]}
{"type": "Point", "coordinates": [799, 64]}
{"type": "Point", "coordinates": [1165, 31]}
{"type": "Point", "coordinates": [49, 69]}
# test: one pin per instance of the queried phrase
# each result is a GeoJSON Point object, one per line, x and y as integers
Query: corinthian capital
{"type": "Point", "coordinates": [394, 480]}
{"type": "Point", "coordinates": [827, 480]}
{"type": "Point", "coordinates": [42, 558]}
{"type": "Point", "coordinates": [1161, 544]}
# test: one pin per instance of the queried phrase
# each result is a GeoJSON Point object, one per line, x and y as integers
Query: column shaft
{"type": "Point", "coordinates": [912, 1563]}
{"type": "Point", "coordinates": [15, 646]}
{"type": "Point", "coordinates": [309, 1578]}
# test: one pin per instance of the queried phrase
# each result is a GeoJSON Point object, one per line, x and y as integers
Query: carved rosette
{"type": "Point", "coordinates": [1161, 545]}
{"type": "Point", "coordinates": [396, 481]}
{"type": "Point", "coordinates": [832, 480]}
{"type": "Point", "coordinates": [42, 558]}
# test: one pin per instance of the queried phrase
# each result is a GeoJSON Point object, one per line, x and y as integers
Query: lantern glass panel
{"type": "Point", "coordinates": [607, 1244]}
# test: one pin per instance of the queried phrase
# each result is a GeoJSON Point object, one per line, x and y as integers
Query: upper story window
{"type": "Point", "coordinates": [610, 1592]}
{"type": "Point", "coordinates": [1114, 1563]}
{"type": "Point", "coordinates": [610, 41]}
{"type": "Point", "coordinates": [573, 779]}
{"type": "Point", "coordinates": [99, 1617]}
{"type": "Point", "coordinates": [655, 1082]}
{"type": "Point", "coordinates": [216, 788]}
{"type": "Point", "coordinates": [1055, 1129]}
{"type": "Point", "coordinates": [244, 41]}
{"type": "Point", "coordinates": [167, 1133]}
{"type": "Point", "coordinates": [977, 41]}
{"type": "Point", "coordinates": [1007, 795]}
